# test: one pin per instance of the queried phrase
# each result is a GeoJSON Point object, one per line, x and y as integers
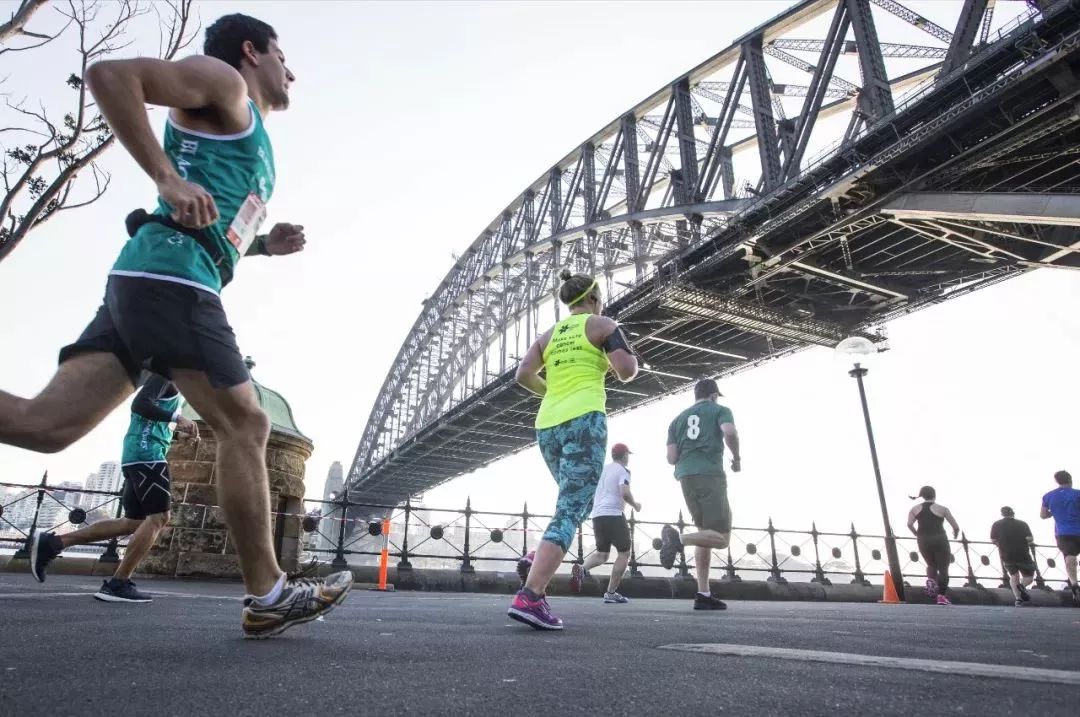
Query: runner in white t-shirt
{"type": "Point", "coordinates": [609, 524]}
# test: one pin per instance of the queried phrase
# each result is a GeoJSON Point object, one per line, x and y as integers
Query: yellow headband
{"type": "Point", "coordinates": [584, 294]}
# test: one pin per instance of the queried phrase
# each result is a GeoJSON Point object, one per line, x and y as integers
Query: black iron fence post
{"type": "Point", "coordinates": [729, 575]}
{"type": "Point", "coordinates": [684, 569]}
{"type": "Point", "coordinates": [466, 563]}
{"type": "Point", "coordinates": [634, 570]}
{"type": "Point", "coordinates": [971, 581]}
{"type": "Point", "coordinates": [775, 576]}
{"type": "Point", "coordinates": [1039, 582]}
{"type": "Point", "coordinates": [860, 579]}
{"type": "Point", "coordinates": [24, 552]}
{"type": "Point", "coordinates": [524, 529]}
{"type": "Point", "coordinates": [110, 555]}
{"type": "Point", "coordinates": [580, 547]}
{"type": "Point", "coordinates": [339, 563]}
{"type": "Point", "coordinates": [819, 572]}
{"type": "Point", "coordinates": [404, 563]}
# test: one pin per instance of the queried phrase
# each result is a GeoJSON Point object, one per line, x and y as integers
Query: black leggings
{"type": "Point", "coordinates": [935, 551]}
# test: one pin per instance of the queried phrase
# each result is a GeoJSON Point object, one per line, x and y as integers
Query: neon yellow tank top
{"type": "Point", "coordinates": [575, 371]}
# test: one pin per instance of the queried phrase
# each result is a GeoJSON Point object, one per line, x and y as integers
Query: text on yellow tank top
{"type": "Point", "coordinates": [574, 370]}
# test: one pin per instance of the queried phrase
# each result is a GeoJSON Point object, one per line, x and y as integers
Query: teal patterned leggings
{"type": "Point", "coordinates": [574, 452]}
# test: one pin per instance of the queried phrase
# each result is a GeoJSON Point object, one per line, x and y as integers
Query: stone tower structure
{"type": "Point", "coordinates": [197, 541]}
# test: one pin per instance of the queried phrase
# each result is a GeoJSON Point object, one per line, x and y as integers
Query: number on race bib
{"type": "Point", "coordinates": [693, 427]}
{"type": "Point", "coordinates": [245, 224]}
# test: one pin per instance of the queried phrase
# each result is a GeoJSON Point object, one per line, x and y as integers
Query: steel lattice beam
{"type": "Point", "coordinates": [758, 79]}
{"type": "Point", "coordinates": [754, 318]}
{"type": "Point", "coordinates": [971, 16]}
{"type": "Point", "coordinates": [888, 49]}
{"type": "Point", "coordinates": [915, 19]}
{"type": "Point", "coordinates": [876, 95]}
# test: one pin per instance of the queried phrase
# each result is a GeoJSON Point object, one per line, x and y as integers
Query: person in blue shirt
{"type": "Point", "coordinates": [1063, 504]}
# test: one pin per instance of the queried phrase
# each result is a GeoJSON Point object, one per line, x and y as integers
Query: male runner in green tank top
{"type": "Point", "coordinates": [695, 446]}
{"type": "Point", "coordinates": [162, 311]}
{"type": "Point", "coordinates": [146, 498]}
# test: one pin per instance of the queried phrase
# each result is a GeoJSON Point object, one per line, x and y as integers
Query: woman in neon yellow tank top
{"type": "Point", "coordinates": [571, 425]}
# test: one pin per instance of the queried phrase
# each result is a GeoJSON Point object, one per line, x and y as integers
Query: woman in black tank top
{"type": "Point", "coordinates": [927, 522]}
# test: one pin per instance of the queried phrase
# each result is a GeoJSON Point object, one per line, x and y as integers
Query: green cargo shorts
{"type": "Point", "coordinates": [706, 498]}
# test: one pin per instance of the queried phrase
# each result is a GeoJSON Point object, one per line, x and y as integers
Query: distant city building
{"type": "Point", "coordinates": [334, 485]}
{"type": "Point", "coordinates": [106, 479]}
{"type": "Point", "coordinates": [335, 480]}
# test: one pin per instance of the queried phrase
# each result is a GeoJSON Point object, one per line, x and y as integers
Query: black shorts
{"type": "Point", "coordinates": [160, 325]}
{"type": "Point", "coordinates": [611, 530]}
{"type": "Point", "coordinates": [146, 489]}
{"type": "Point", "coordinates": [1069, 544]}
{"type": "Point", "coordinates": [1023, 567]}
{"type": "Point", "coordinates": [706, 498]}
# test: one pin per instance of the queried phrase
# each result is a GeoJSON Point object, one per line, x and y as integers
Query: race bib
{"type": "Point", "coordinates": [245, 226]}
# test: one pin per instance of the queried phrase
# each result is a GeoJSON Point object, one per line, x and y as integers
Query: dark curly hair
{"type": "Point", "coordinates": [225, 38]}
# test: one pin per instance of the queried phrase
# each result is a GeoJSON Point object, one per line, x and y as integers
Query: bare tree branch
{"type": "Point", "coordinates": [45, 170]}
{"type": "Point", "coordinates": [21, 16]}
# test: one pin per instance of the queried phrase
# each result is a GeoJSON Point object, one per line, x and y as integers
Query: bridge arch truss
{"type": "Point", "coordinates": [724, 244]}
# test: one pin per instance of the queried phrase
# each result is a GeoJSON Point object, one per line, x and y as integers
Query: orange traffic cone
{"type": "Point", "coordinates": [889, 596]}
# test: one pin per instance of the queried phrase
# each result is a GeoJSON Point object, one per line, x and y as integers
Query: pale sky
{"type": "Point", "coordinates": [411, 126]}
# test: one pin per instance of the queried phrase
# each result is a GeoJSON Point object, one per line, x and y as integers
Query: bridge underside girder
{"type": "Point", "coordinates": [889, 223]}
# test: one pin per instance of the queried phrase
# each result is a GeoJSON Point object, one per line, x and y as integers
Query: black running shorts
{"type": "Point", "coordinates": [160, 325]}
{"type": "Point", "coordinates": [611, 530]}
{"type": "Point", "coordinates": [1069, 544]}
{"type": "Point", "coordinates": [1023, 567]}
{"type": "Point", "coordinates": [706, 498]}
{"type": "Point", "coordinates": [146, 489]}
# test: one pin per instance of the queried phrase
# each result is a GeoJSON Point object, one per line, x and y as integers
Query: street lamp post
{"type": "Point", "coordinates": [858, 350]}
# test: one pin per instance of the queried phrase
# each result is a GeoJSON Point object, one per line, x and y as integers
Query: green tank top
{"type": "Point", "coordinates": [575, 370]}
{"type": "Point", "coordinates": [238, 172]}
{"type": "Point", "coordinates": [147, 441]}
{"type": "Point", "coordinates": [696, 431]}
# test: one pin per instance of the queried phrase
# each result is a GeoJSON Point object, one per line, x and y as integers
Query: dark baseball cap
{"type": "Point", "coordinates": [706, 387]}
{"type": "Point", "coordinates": [620, 449]}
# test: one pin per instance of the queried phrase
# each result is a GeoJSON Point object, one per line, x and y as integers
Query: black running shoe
{"type": "Point", "coordinates": [701, 602]}
{"type": "Point", "coordinates": [43, 550]}
{"type": "Point", "coordinates": [302, 600]}
{"type": "Point", "coordinates": [1024, 594]}
{"type": "Point", "coordinates": [670, 546]}
{"type": "Point", "coordinates": [116, 590]}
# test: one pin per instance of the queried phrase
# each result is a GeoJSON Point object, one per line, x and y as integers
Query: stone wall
{"type": "Point", "coordinates": [197, 542]}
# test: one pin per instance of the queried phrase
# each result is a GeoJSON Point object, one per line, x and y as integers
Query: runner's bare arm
{"type": "Point", "coordinates": [528, 371]}
{"type": "Point", "coordinates": [911, 521]}
{"type": "Point", "coordinates": [605, 334]}
{"type": "Point", "coordinates": [952, 522]}
{"type": "Point", "coordinates": [672, 453]}
{"type": "Point", "coordinates": [731, 438]}
{"type": "Point", "coordinates": [122, 88]}
{"type": "Point", "coordinates": [283, 239]}
{"type": "Point", "coordinates": [628, 497]}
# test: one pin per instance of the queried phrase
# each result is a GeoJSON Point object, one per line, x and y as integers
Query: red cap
{"type": "Point", "coordinates": [619, 449]}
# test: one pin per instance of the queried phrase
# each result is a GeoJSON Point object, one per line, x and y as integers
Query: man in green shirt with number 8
{"type": "Point", "coordinates": [695, 446]}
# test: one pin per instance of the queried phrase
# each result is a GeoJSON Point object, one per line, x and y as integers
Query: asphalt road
{"type": "Point", "coordinates": [423, 653]}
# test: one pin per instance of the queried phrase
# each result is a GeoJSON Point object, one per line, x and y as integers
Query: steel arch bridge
{"type": "Point", "coordinates": [948, 166]}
